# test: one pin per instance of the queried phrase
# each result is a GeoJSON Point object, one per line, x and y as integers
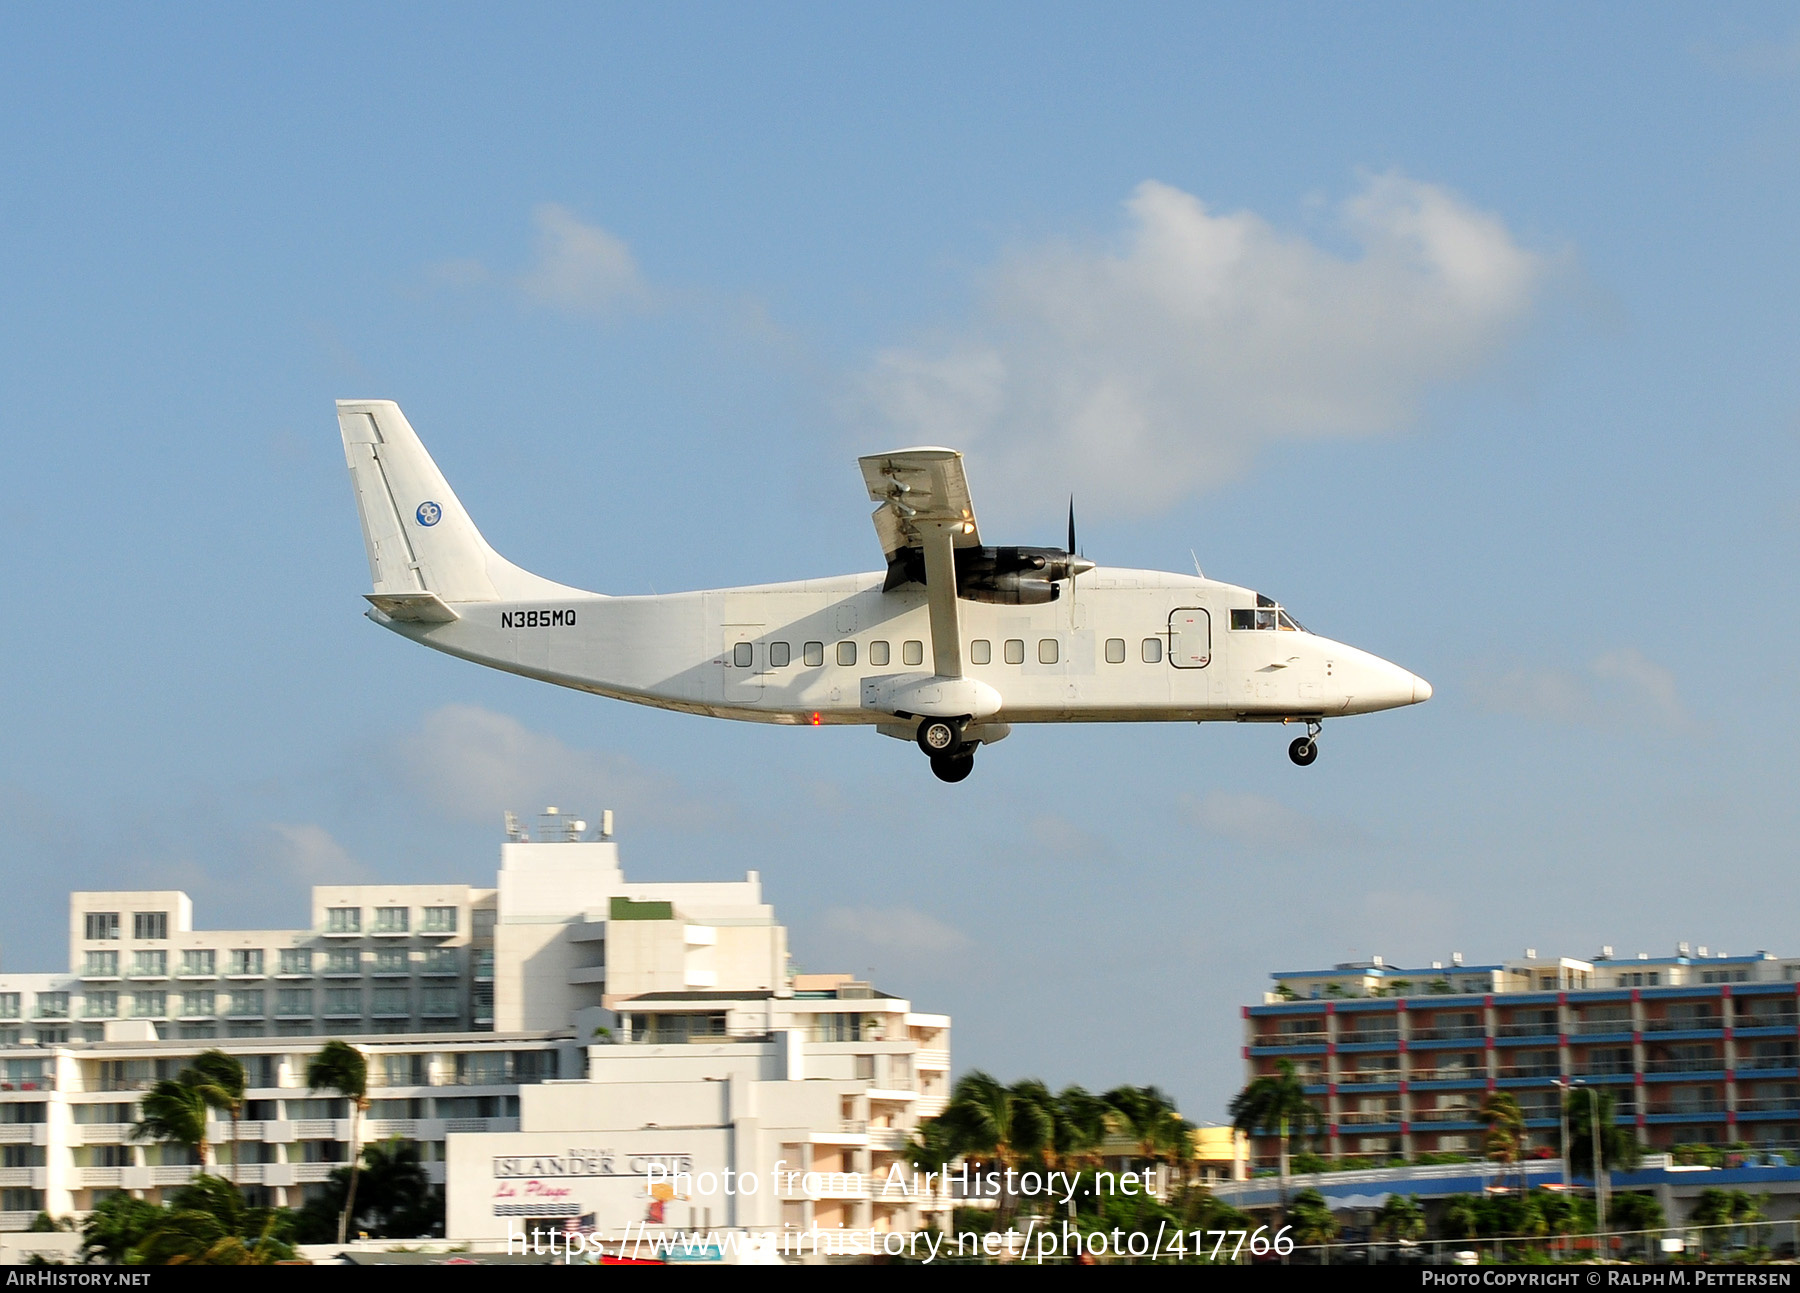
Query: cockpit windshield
{"type": "Point", "coordinates": [1266, 616]}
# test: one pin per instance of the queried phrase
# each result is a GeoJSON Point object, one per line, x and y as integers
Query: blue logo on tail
{"type": "Point", "coordinates": [429, 513]}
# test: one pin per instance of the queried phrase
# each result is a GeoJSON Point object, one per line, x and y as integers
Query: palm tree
{"type": "Point", "coordinates": [1619, 1147]}
{"type": "Point", "coordinates": [1275, 1102]}
{"type": "Point", "coordinates": [174, 1111]}
{"type": "Point", "coordinates": [1078, 1125]}
{"type": "Point", "coordinates": [1312, 1219]}
{"type": "Point", "coordinates": [1162, 1133]}
{"type": "Point", "coordinates": [207, 1224]}
{"type": "Point", "coordinates": [340, 1067]}
{"type": "Point", "coordinates": [932, 1149]}
{"type": "Point", "coordinates": [1505, 1138]}
{"type": "Point", "coordinates": [222, 1081]}
{"type": "Point", "coordinates": [1400, 1217]}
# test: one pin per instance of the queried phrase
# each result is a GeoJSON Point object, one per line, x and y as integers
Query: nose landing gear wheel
{"type": "Point", "coordinates": [953, 767]}
{"type": "Point", "coordinates": [1303, 751]}
{"type": "Point", "coordinates": [940, 738]}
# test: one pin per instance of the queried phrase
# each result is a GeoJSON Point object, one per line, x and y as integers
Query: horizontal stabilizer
{"type": "Point", "coordinates": [413, 608]}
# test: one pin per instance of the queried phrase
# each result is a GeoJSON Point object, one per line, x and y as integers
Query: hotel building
{"type": "Point", "coordinates": [562, 998]}
{"type": "Point", "coordinates": [1698, 1047]}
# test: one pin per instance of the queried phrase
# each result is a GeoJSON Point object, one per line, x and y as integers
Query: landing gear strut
{"type": "Point", "coordinates": [952, 758]}
{"type": "Point", "coordinates": [1306, 748]}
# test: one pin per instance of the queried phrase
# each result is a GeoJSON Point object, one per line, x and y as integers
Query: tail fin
{"type": "Point", "coordinates": [418, 535]}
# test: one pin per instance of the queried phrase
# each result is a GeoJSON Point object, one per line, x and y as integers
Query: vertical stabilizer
{"type": "Point", "coordinates": [419, 537]}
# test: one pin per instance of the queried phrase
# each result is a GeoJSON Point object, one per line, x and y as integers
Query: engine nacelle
{"type": "Point", "coordinates": [1013, 588]}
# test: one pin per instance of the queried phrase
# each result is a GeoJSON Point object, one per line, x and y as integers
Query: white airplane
{"type": "Point", "coordinates": [954, 644]}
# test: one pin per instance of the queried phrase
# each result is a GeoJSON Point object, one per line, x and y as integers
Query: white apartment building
{"type": "Point", "coordinates": [464, 999]}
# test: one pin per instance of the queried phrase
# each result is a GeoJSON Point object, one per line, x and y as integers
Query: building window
{"type": "Point", "coordinates": [101, 924]}
{"type": "Point", "coordinates": [201, 964]}
{"type": "Point", "coordinates": [343, 960]}
{"type": "Point", "coordinates": [343, 1001]}
{"type": "Point", "coordinates": [981, 651]}
{"type": "Point", "coordinates": [200, 1002]}
{"type": "Point", "coordinates": [391, 960]}
{"type": "Point", "coordinates": [484, 1068]}
{"type": "Point", "coordinates": [439, 960]}
{"type": "Point", "coordinates": [150, 965]}
{"type": "Point", "coordinates": [296, 960]}
{"type": "Point", "coordinates": [878, 653]}
{"type": "Point", "coordinates": [440, 920]}
{"type": "Point", "coordinates": [912, 652]}
{"type": "Point", "coordinates": [247, 961]}
{"type": "Point", "coordinates": [390, 920]}
{"type": "Point", "coordinates": [406, 1070]}
{"type": "Point", "coordinates": [389, 1002]}
{"type": "Point", "coordinates": [1047, 650]}
{"type": "Point", "coordinates": [343, 920]}
{"type": "Point", "coordinates": [149, 1005]}
{"type": "Point", "coordinates": [9, 1005]}
{"type": "Point", "coordinates": [438, 1003]}
{"type": "Point", "coordinates": [838, 1028]}
{"type": "Point", "coordinates": [149, 926]}
{"type": "Point", "coordinates": [101, 1005]}
{"type": "Point", "coordinates": [53, 1005]}
{"type": "Point", "coordinates": [814, 654]}
{"type": "Point", "coordinates": [101, 965]}
{"type": "Point", "coordinates": [247, 1001]}
{"type": "Point", "coordinates": [293, 1001]}
{"type": "Point", "coordinates": [1115, 650]}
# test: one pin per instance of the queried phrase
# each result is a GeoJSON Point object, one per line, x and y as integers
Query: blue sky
{"type": "Point", "coordinates": [1470, 335]}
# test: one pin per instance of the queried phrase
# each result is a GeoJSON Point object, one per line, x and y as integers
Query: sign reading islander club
{"type": "Point", "coordinates": [588, 1162]}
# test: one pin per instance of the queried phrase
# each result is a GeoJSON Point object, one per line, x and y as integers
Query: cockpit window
{"type": "Point", "coordinates": [1266, 618]}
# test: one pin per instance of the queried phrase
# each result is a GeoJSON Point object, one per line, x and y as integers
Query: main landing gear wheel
{"type": "Point", "coordinates": [953, 767]}
{"type": "Point", "coordinates": [941, 738]}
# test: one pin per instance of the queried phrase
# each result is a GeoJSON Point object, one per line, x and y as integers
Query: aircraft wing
{"type": "Point", "coordinates": [925, 504]}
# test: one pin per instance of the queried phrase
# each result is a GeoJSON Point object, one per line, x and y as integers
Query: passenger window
{"type": "Point", "coordinates": [981, 651]}
{"type": "Point", "coordinates": [878, 653]}
{"type": "Point", "coordinates": [1046, 650]}
{"type": "Point", "coordinates": [779, 655]}
{"type": "Point", "coordinates": [815, 654]}
{"type": "Point", "coordinates": [1115, 650]}
{"type": "Point", "coordinates": [741, 655]}
{"type": "Point", "coordinates": [1153, 650]}
{"type": "Point", "coordinates": [912, 652]}
{"type": "Point", "coordinates": [1015, 650]}
{"type": "Point", "coordinates": [846, 653]}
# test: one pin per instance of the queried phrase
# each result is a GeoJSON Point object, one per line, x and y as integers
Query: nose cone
{"type": "Point", "coordinates": [1421, 689]}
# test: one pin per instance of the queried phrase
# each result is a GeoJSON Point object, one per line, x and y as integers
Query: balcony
{"type": "Point", "coordinates": [1704, 1064]}
{"type": "Point", "coordinates": [1692, 1024]}
{"type": "Point", "coordinates": [1377, 1037]}
{"type": "Point", "coordinates": [1369, 1077]}
{"type": "Point", "coordinates": [1785, 1060]}
{"type": "Point", "coordinates": [1446, 1115]}
{"type": "Point", "coordinates": [1448, 1075]}
{"type": "Point", "coordinates": [1664, 1109]}
{"type": "Point", "coordinates": [1370, 1118]}
{"type": "Point", "coordinates": [1770, 1104]}
{"type": "Point", "coordinates": [1458, 1033]}
{"type": "Point", "coordinates": [1603, 1028]}
{"type": "Point", "coordinates": [1527, 1030]}
{"type": "Point", "coordinates": [1268, 1039]}
{"type": "Point", "coordinates": [1543, 1072]}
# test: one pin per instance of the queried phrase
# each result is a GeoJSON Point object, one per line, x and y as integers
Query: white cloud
{"type": "Point", "coordinates": [581, 267]}
{"type": "Point", "coordinates": [311, 856]}
{"type": "Point", "coordinates": [896, 931]}
{"type": "Point", "coordinates": [1621, 687]}
{"type": "Point", "coordinates": [1259, 822]}
{"type": "Point", "coordinates": [473, 764]}
{"type": "Point", "coordinates": [1158, 367]}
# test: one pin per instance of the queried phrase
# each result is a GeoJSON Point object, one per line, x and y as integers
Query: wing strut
{"type": "Point", "coordinates": [936, 537]}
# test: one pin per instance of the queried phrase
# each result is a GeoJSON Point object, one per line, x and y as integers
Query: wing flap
{"type": "Point", "coordinates": [918, 488]}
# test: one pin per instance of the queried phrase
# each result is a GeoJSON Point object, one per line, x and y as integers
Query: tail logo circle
{"type": "Point", "coordinates": [429, 513]}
